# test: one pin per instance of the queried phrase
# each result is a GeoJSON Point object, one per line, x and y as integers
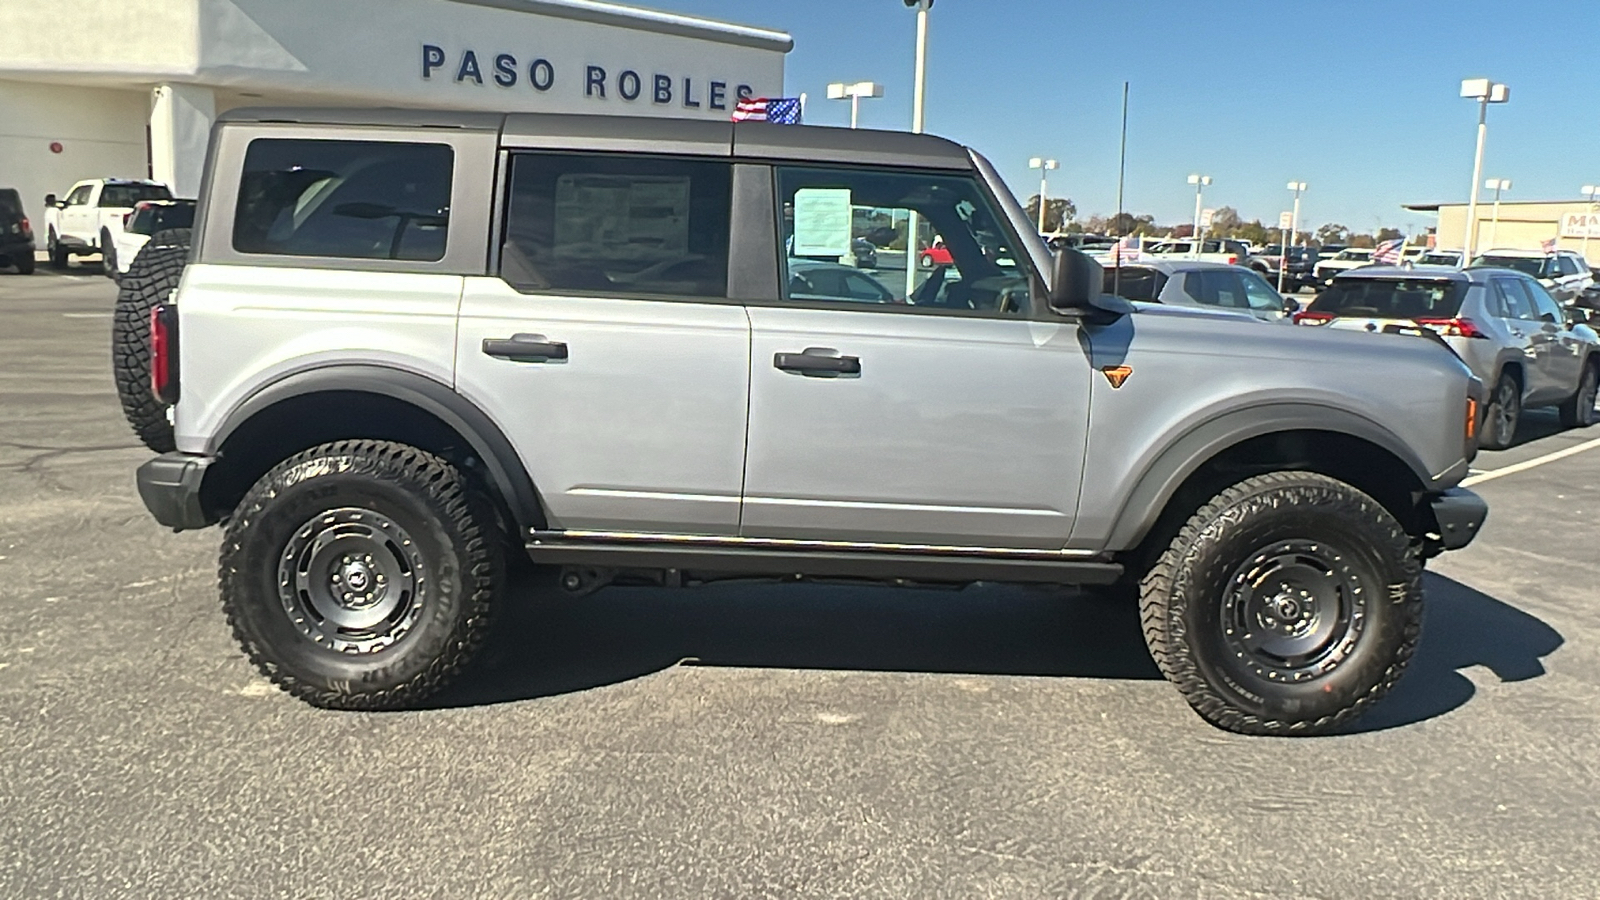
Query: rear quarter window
{"type": "Point", "coordinates": [1391, 298]}
{"type": "Point", "coordinates": [347, 199]}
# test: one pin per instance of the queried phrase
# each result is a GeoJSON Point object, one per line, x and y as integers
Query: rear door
{"type": "Point", "coordinates": [956, 416]}
{"type": "Point", "coordinates": [1528, 337]}
{"type": "Point", "coordinates": [1562, 351]}
{"type": "Point", "coordinates": [605, 345]}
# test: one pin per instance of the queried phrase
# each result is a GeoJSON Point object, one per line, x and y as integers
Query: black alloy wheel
{"type": "Point", "coordinates": [1287, 605]}
{"type": "Point", "coordinates": [362, 574]}
{"type": "Point", "coordinates": [1579, 410]}
{"type": "Point", "coordinates": [1503, 413]}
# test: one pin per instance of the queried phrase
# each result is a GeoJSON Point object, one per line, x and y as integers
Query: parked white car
{"type": "Point", "coordinates": [1563, 273]}
{"type": "Point", "coordinates": [147, 218]}
{"type": "Point", "coordinates": [1451, 258]}
{"type": "Point", "coordinates": [1343, 261]}
{"type": "Point", "coordinates": [92, 214]}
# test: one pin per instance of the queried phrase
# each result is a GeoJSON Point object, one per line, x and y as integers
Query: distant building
{"type": "Point", "coordinates": [111, 88]}
{"type": "Point", "coordinates": [1523, 225]}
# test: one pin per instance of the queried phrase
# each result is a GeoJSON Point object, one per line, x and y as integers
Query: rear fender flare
{"type": "Point", "coordinates": [505, 470]}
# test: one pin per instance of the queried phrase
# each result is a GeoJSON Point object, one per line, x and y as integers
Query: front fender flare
{"type": "Point", "coordinates": [1160, 480]}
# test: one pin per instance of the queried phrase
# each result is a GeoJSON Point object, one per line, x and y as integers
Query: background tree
{"type": "Point", "coordinates": [1362, 241]}
{"type": "Point", "coordinates": [1097, 224]}
{"type": "Point", "coordinates": [1128, 223]}
{"type": "Point", "coordinates": [1388, 234]}
{"type": "Point", "coordinates": [1257, 234]}
{"type": "Point", "coordinates": [1333, 233]}
{"type": "Point", "coordinates": [1058, 211]}
{"type": "Point", "coordinates": [1224, 223]}
{"type": "Point", "coordinates": [1183, 230]}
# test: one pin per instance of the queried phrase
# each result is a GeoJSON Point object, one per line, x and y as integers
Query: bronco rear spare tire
{"type": "Point", "coordinates": [150, 281]}
{"type": "Point", "coordinates": [1288, 604]}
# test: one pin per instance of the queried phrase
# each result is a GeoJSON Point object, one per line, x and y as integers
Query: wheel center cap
{"type": "Point", "coordinates": [356, 576]}
{"type": "Point", "coordinates": [1287, 607]}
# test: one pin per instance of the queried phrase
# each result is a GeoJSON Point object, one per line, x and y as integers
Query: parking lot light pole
{"type": "Point", "coordinates": [1497, 185]}
{"type": "Point", "coordinates": [1044, 166]}
{"type": "Point", "coordinates": [918, 90]}
{"type": "Point", "coordinates": [1294, 229]}
{"type": "Point", "coordinates": [854, 92]}
{"type": "Point", "coordinates": [1485, 92]}
{"type": "Point", "coordinates": [1589, 192]}
{"type": "Point", "coordinates": [1199, 182]}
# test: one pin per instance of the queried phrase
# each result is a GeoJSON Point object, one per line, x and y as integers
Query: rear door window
{"type": "Point", "coordinates": [1397, 298]}
{"type": "Point", "coordinates": [617, 225]}
{"type": "Point", "coordinates": [347, 199]}
{"type": "Point", "coordinates": [1517, 300]}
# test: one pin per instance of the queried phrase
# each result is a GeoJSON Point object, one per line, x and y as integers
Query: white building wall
{"type": "Point", "coordinates": [101, 133]}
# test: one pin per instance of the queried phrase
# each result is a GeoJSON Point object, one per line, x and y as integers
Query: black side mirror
{"type": "Point", "coordinates": [1577, 315]}
{"type": "Point", "coordinates": [1291, 305]}
{"type": "Point", "coordinates": [49, 199]}
{"type": "Point", "coordinates": [1076, 280]}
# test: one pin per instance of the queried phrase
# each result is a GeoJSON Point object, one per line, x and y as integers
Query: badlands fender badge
{"type": "Point", "coordinates": [1116, 374]}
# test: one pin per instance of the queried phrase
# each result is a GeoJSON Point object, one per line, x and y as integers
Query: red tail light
{"type": "Point", "coordinates": [1453, 327]}
{"type": "Point", "coordinates": [164, 353]}
{"type": "Point", "coordinates": [27, 227]}
{"type": "Point", "coordinates": [1308, 317]}
{"type": "Point", "coordinates": [1233, 260]}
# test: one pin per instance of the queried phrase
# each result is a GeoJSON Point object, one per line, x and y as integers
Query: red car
{"type": "Point", "coordinates": [937, 255]}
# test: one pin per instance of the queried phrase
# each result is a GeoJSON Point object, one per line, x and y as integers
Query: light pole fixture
{"type": "Point", "coordinates": [1044, 166]}
{"type": "Point", "coordinates": [1497, 185]}
{"type": "Point", "coordinates": [1199, 182]}
{"type": "Point", "coordinates": [1589, 192]}
{"type": "Point", "coordinates": [1294, 228]}
{"type": "Point", "coordinates": [854, 92]}
{"type": "Point", "coordinates": [1485, 92]}
{"type": "Point", "coordinates": [918, 90]}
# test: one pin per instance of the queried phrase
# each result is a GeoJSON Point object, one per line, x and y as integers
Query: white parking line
{"type": "Point", "coordinates": [1532, 463]}
{"type": "Point", "coordinates": [102, 315]}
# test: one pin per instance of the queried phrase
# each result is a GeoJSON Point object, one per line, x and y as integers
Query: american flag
{"type": "Point", "coordinates": [1127, 250]}
{"type": "Point", "coordinates": [1549, 245]}
{"type": "Point", "coordinates": [1389, 251]}
{"type": "Point", "coordinates": [778, 110]}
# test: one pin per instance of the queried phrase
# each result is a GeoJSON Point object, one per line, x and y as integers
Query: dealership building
{"type": "Point", "coordinates": [1521, 225]}
{"type": "Point", "coordinates": [110, 88]}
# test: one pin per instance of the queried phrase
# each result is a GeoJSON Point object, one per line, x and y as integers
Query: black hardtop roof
{"type": "Point", "coordinates": [697, 137]}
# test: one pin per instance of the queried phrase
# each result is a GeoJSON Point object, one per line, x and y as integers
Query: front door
{"type": "Point", "coordinates": [953, 414]}
{"type": "Point", "coordinates": [606, 348]}
{"type": "Point", "coordinates": [1561, 351]}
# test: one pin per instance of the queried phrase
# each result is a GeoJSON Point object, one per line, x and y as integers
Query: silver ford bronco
{"type": "Point", "coordinates": [400, 346]}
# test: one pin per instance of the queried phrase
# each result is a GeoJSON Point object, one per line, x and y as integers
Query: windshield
{"type": "Point", "coordinates": [1354, 254]}
{"type": "Point", "coordinates": [1527, 265]}
{"type": "Point", "coordinates": [1439, 259]}
{"type": "Point", "coordinates": [126, 196]}
{"type": "Point", "coordinates": [1399, 298]}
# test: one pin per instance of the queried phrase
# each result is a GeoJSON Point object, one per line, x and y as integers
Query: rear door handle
{"type": "Point", "coordinates": [817, 361]}
{"type": "Point", "coordinates": [530, 348]}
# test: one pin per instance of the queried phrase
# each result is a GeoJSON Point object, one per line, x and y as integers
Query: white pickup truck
{"type": "Point", "coordinates": [1229, 252]}
{"type": "Point", "coordinates": [92, 214]}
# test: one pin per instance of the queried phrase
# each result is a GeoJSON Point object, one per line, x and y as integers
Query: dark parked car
{"type": "Point", "coordinates": [16, 233]}
{"type": "Point", "coordinates": [1200, 284]}
{"type": "Point", "coordinates": [1297, 268]}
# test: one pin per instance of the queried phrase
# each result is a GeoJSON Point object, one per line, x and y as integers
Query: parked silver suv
{"type": "Point", "coordinates": [415, 342]}
{"type": "Point", "coordinates": [1501, 322]}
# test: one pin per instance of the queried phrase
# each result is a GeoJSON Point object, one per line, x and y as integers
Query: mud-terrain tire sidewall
{"type": "Point", "coordinates": [150, 280]}
{"type": "Point", "coordinates": [461, 555]}
{"type": "Point", "coordinates": [1182, 603]}
{"type": "Point", "coordinates": [24, 265]}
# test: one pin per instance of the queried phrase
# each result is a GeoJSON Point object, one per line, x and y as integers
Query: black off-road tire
{"type": "Point", "coordinates": [151, 278]}
{"type": "Point", "coordinates": [24, 264]}
{"type": "Point", "coordinates": [58, 253]}
{"type": "Point", "coordinates": [432, 522]}
{"type": "Point", "coordinates": [108, 255]}
{"type": "Point", "coordinates": [1502, 413]}
{"type": "Point", "coordinates": [1233, 547]}
{"type": "Point", "coordinates": [1578, 411]}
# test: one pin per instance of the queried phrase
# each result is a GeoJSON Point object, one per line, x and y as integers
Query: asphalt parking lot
{"type": "Point", "coordinates": [754, 741]}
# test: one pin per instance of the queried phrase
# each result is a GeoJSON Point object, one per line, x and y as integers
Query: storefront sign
{"type": "Point", "coordinates": [1577, 224]}
{"type": "Point", "coordinates": [507, 70]}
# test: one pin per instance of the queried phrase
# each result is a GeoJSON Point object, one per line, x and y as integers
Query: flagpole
{"type": "Point", "coordinates": [1122, 175]}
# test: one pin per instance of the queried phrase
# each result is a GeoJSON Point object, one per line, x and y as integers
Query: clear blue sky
{"type": "Point", "coordinates": [1358, 99]}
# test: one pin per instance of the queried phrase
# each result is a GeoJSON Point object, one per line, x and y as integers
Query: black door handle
{"type": "Point", "coordinates": [532, 348]}
{"type": "Point", "coordinates": [815, 361]}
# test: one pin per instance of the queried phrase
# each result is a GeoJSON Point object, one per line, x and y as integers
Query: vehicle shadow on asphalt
{"type": "Point", "coordinates": [1461, 627]}
{"type": "Point", "coordinates": [548, 643]}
